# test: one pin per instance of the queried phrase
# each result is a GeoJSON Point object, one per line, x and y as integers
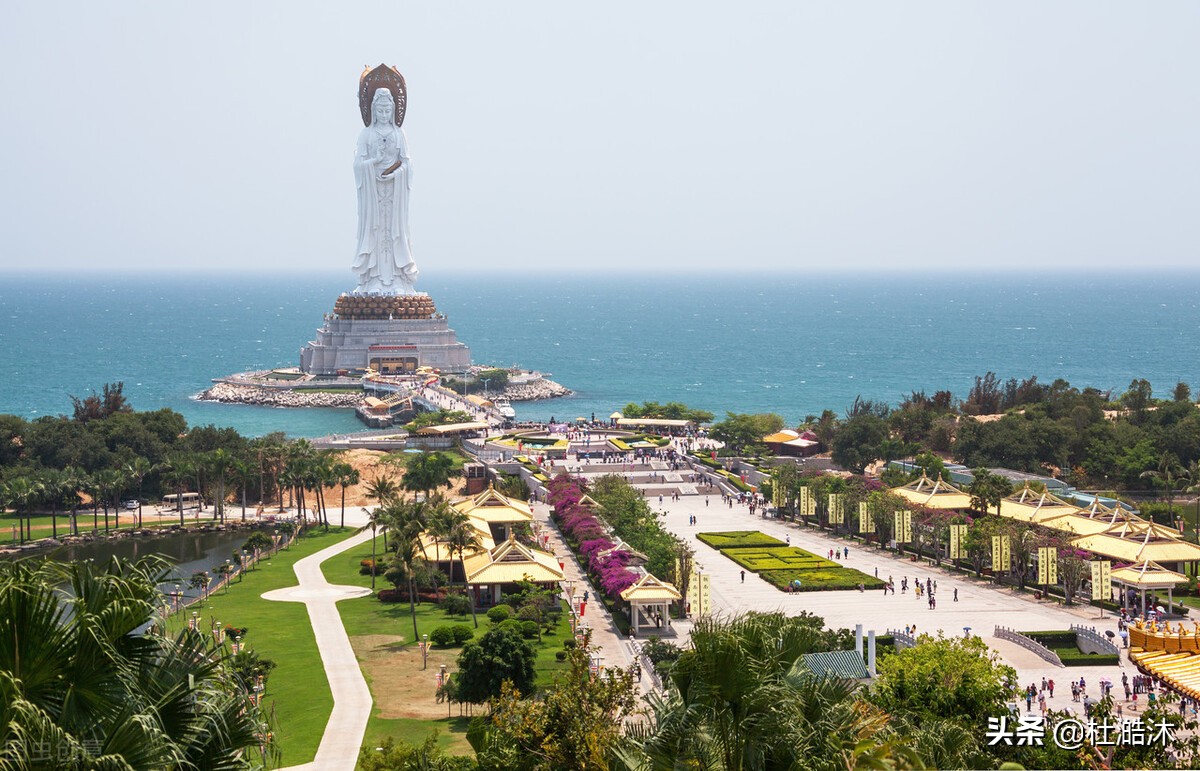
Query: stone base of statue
{"type": "Point", "coordinates": [392, 334]}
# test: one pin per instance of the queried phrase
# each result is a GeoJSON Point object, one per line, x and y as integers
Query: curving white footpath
{"type": "Point", "coordinates": [351, 697]}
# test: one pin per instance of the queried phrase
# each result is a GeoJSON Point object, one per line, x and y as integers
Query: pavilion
{"type": "Point", "coordinates": [1144, 575]}
{"type": "Point", "coordinates": [489, 573]}
{"type": "Point", "coordinates": [650, 596]}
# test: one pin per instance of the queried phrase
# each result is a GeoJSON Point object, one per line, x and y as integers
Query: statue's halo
{"type": "Point", "coordinates": [382, 76]}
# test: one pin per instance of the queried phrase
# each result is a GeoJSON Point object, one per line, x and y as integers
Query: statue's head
{"type": "Point", "coordinates": [383, 107]}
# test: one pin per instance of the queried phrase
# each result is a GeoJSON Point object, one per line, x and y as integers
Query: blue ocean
{"type": "Point", "coordinates": [790, 344]}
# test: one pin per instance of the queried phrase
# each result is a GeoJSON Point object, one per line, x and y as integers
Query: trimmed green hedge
{"type": "Point", "coordinates": [1055, 638]}
{"type": "Point", "coordinates": [739, 539]}
{"type": "Point", "coordinates": [713, 464]}
{"type": "Point", "coordinates": [1073, 657]}
{"type": "Point", "coordinates": [821, 580]}
{"type": "Point", "coordinates": [778, 558]}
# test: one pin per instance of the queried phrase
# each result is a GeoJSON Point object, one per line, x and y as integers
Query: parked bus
{"type": "Point", "coordinates": [173, 501]}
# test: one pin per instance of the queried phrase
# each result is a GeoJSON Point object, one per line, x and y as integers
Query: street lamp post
{"type": "Point", "coordinates": [424, 651]}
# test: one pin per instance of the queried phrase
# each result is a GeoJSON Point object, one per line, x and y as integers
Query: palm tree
{"type": "Point", "coordinates": [177, 473]}
{"type": "Point", "coordinates": [243, 472]}
{"type": "Point", "coordinates": [79, 676]}
{"type": "Point", "coordinates": [23, 493]}
{"type": "Point", "coordinates": [1167, 476]}
{"type": "Point", "coordinates": [220, 466]}
{"type": "Point", "coordinates": [53, 484]}
{"type": "Point", "coordinates": [136, 471]}
{"type": "Point", "coordinates": [428, 471]}
{"type": "Point", "coordinates": [109, 484]}
{"type": "Point", "coordinates": [461, 535]}
{"type": "Point", "coordinates": [75, 479]}
{"type": "Point", "coordinates": [347, 476]}
{"type": "Point", "coordinates": [407, 525]}
{"type": "Point", "coordinates": [383, 490]}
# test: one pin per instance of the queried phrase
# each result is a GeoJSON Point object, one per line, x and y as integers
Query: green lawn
{"type": "Point", "coordinates": [781, 565]}
{"type": "Point", "coordinates": [821, 579]}
{"type": "Point", "coordinates": [368, 616]}
{"type": "Point", "coordinates": [400, 459]}
{"type": "Point", "coordinates": [281, 631]}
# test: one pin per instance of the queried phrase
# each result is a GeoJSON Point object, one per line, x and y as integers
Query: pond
{"type": "Point", "coordinates": [190, 552]}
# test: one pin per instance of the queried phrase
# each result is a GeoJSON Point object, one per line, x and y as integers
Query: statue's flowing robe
{"type": "Point", "coordinates": [383, 263]}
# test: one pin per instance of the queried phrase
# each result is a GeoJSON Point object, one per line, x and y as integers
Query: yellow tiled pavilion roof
{"type": "Point", "coordinates": [1137, 541]}
{"type": "Point", "coordinates": [1038, 508]}
{"type": "Point", "coordinates": [437, 551]}
{"type": "Point", "coordinates": [491, 506]}
{"type": "Point", "coordinates": [650, 589]}
{"type": "Point", "coordinates": [511, 562]}
{"type": "Point", "coordinates": [1149, 574]}
{"type": "Point", "coordinates": [934, 495]}
{"type": "Point", "coordinates": [588, 500]}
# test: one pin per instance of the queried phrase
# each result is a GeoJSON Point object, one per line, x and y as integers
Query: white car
{"type": "Point", "coordinates": [130, 505]}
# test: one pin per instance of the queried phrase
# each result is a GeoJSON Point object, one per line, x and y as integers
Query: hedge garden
{"type": "Point", "coordinates": [1063, 642]}
{"type": "Point", "coordinates": [783, 565]}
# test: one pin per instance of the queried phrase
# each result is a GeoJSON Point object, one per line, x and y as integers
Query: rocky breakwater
{"type": "Point", "coordinates": [535, 389]}
{"type": "Point", "coordinates": [230, 393]}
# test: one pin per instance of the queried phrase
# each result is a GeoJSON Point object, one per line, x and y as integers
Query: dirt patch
{"type": "Point", "coordinates": [365, 462]}
{"type": "Point", "coordinates": [400, 687]}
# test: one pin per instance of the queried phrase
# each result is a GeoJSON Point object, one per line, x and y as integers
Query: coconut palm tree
{"type": "Point", "coordinates": [75, 479]}
{"type": "Point", "coordinates": [109, 484]}
{"type": "Point", "coordinates": [136, 470]}
{"type": "Point", "coordinates": [53, 483]}
{"type": "Point", "coordinates": [427, 472]}
{"type": "Point", "coordinates": [1167, 475]}
{"type": "Point", "coordinates": [383, 490]}
{"type": "Point", "coordinates": [219, 464]}
{"type": "Point", "coordinates": [347, 476]}
{"type": "Point", "coordinates": [407, 525]}
{"type": "Point", "coordinates": [78, 676]}
{"type": "Point", "coordinates": [23, 494]}
{"type": "Point", "coordinates": [460, 536]}
{"type": "Point", "coordinates": [177, 472]}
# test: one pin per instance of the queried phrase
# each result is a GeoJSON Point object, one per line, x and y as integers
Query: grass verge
{"type": "Point", "coordinates": [297, 691]}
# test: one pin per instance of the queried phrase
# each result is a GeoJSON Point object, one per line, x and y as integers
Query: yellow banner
{"type": "Point", "coordinates": [808, 506]}
{"type": "Point", "coordinates": [958, 542]}
{"type": "Point", "coordinates": [1047, 565]}
{"type": "Point", "coordinates": [837, 512]}
{"type": "Point", "coordinates": [1101, 580]}
{"type": "Point", "coordinates": [1001, 554]}
{"type": "Point", "coordinates": [866, 520]}
{"type": "Point", "coordinates": [903, 526]}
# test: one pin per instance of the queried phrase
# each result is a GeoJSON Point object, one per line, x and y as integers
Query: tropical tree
{"type": "Point", "coordinates": [79, 676]}
{"type": "Point", "coordinates": [347, 476]}
{"type": "Point", "coordinates": [427, 472]}
{"type": "Point", "coordinates": [460, 537]}
{"type": "Point", "coordinates": [23, 494]}
{"type": "Point", "coordinates": [220, 464]}
{"type": "Point", "coordinates": [486, 664]}
{"type": "Point", "coordinates": [987, 490]}
{"type": "Point", "coordinates": [944, 677]}
{"type": "Point", "coordinates": [1167, 475]}
{"type": "Point", "coordinates": [177, 472]}
{"type": "Point", "coordinates": [136, 470]}
{"type": "Point", "coordinates": [383, 490]}
{"type": "Point", "coordinates": [576, 723]}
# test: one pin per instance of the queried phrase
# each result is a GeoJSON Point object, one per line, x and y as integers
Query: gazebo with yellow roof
{"type": "Point", "coordinates": [648, 596]}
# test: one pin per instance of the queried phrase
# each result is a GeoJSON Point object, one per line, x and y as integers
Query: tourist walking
{"type": "Point", "coordinates": [743, 576]}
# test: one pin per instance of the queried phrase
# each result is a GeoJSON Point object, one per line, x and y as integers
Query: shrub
{"type": "Point", "coordinates": [499, 613]}
{"type": "Point", "coordinates": [368, 566]}
{"type": "Point", "coordinates": [455, 604]}
{"type": "Point", "coordinates": [570, 643]}
{"type": "Point", "coordinates": [442, 636]}
{"type": "Point", "coordinates": [529, 629]}
{"type": "Point", "coordinates": [560, 655]}
{"type": "Point", "coordinates": [462, 633]}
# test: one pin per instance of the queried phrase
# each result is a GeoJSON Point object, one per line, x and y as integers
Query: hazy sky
{"type": "Point", "coordinates": [619, 136]}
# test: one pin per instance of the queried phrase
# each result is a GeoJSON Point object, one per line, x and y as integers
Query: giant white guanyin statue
{"type": "Point", "coordinates": [382, 172]}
